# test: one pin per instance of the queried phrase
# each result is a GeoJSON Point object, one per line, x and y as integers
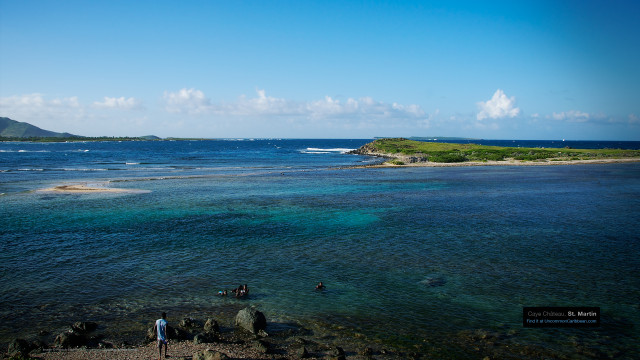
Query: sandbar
{"type": "Point", "coordinates": [85, 189]}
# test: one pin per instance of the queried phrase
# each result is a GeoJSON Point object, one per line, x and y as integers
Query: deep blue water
{"type": "Point", "coordinates": [412, 257]}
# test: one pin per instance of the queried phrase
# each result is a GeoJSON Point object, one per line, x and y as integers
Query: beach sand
{"type": "Point", "coordinates": [177, 350]}
{"type": "Point", "coordinates": [233, 350]}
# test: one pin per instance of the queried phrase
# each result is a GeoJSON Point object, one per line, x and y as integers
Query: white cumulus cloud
{"type": "Point", "coordinates": [498, 107]}
{"type": "Point", "coordinates": [118, 103]}
{"type": "Point", "coordinates": [189, 101]}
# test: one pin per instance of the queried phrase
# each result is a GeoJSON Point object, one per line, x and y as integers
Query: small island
{"type": "Point", "coordinates": [404, 152]}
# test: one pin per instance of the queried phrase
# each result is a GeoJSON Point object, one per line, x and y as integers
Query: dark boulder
{"type": "Point", "coordinates": [19, 347]}
{"type": "Point", "coordinates": [261, 346]}
{"type": "Point", "coordinates": [337, 353]}
{"type": "Point", "coordinates": [251, 320]}
{"type": "Point", "coordinates": [84, 327]}
{"type": "Point", "coordinates": [178, 333]}
{"type": "Point", "coordinates": [205, 338]}
{"type": "Point", "coordinates": [211, 326]}
{"type": "Point", "coordinates": [105, 345]}
{"type": "Point", "coordinates": [190, 323]}
{"type": "Point", "coordinates": [69, 340]}
{"type": "Point", "coordinates": [302, 353]}
{"type": "Point", "coordinates": [38, 345]}
{"type": "Point", "coordinates": [366, 353]}
{"type": "Point", "coordinates": [209, 354]}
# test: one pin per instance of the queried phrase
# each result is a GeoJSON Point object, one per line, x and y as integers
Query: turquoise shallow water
{"type": "Point", "coordinates": [415, 258]}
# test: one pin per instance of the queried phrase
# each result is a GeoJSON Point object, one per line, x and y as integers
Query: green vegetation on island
{"type": "Point", "coordinates": [403, 151]}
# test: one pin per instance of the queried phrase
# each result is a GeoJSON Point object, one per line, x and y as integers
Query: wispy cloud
{"type": "Point", "coordinates": [498, 107]}
{"type": "Point", "coordinates": [37, 101]}
{"type": "Point", "coordinates": [119, 103]}
{"type": "Point", "coordinates": [192, 101]}
{"type": "Point", "coordinates": [571, 116]}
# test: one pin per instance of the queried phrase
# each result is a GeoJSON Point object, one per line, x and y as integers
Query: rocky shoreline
{"type": "Point", "coordinates": [250, 337]}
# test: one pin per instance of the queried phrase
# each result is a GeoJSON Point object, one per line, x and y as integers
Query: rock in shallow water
{"type": "Point", "coordinates": [84, 327]}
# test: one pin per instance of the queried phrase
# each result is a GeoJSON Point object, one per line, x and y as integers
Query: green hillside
{"type": "Point", "coordinates": [16, 129]}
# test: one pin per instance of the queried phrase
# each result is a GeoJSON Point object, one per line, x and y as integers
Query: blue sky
{"type": "Point", "coordinates": [324, 69]}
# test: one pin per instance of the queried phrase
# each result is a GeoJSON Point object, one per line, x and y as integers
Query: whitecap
{"type": "Point", "coordinates": [320, 150]}
{"type": "Point", "coordinates": [25, 151]}
{"type": "Point", "coordinates": [84, 169]}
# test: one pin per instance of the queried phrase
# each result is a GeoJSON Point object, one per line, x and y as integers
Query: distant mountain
{"type": "Point", "coordinates": [150, 137]}
{"type": "Point", "coordinates": [17, 129]}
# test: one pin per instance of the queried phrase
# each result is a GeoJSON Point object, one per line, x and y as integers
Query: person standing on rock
{"type": "Point", "coordinates": [160, 328]}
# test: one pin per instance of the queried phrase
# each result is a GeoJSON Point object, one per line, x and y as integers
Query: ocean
{"type": "Point", "coordinates": [439, 261]}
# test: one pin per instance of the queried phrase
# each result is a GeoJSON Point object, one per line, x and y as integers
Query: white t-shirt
{"type": "Point", "coordinates": [161, 325]}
